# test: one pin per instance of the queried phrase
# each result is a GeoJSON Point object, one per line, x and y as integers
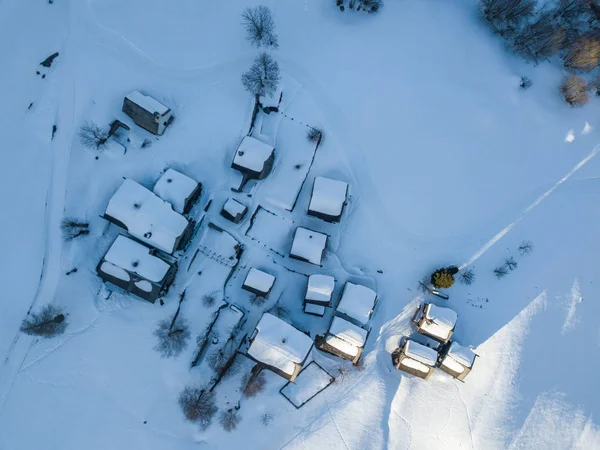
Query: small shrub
{"type": "Point", "coordinates": [266, 419]}
{"type": "Point", "coordinates": [74, 228]}
{"type": "Point", "coordinates": [443, 278]}
{"type": "Point", "coordinates": [525, 83]}
{"type": "Point", "coordinates": [501, 272]}
{"type": "Point", "coordinates": [574, 90]}
{"type": "Point", "coordinates": [258, 300]}
{"type": "Point", "coordinates": [254, 383]}
{"type": "Point", "coordinates": [230, 419]}
{"type": "Point", "coordinates": [510, 263]}
{"type": "Point", "coordinates": [209, 300]}
{"type": "Point", "coordinates": [49, 322]}
{"type": "Point", "coordinates": [467, 277]}
{"type": "Point", "coordinates": [198, 405]}
{"type": "Point", "coordinates": [526, 248]}
{"type": "Point", "coordinates": [147, 143]}
{"type": "Point", "coordinates": [314, 135]}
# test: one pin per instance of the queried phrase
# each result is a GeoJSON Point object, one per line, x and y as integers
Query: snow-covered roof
{"type": "Point", "coordinates": [420, 353]}
{"type": "Point", "coordinates": [279, 344]}
{"type": "Point", "coordinates": [146, 216]}
{"type": "Point", "coordinates": [175, 188]}
{"type": "Point", "coordinates": [463, 355]}
{"type": "Point", "coordinates": [357, 302]}
{"type": "Point", "coordinates": [328, 196]}
{"type": "Point", "coordinates": [348, 332]}
{"type": "Point", "coordinates": [148, 103]}
{"type": "Point", "coordinates": [311, 308]}
{"type": "Point", "coordinates": [135, 257]}
{"type": "Point", "coordinates": [259, 280]}
{"type": "Point", "coordinates": [273, 99]}
{"type": "Point", "coordinates": [320, 287]}
{"type": "Point", "coordinates": [233, 207]}
{"type": "Point", "coordinates": [115, 271]}
{"type": "Point", "coordinates": [252, 154]}
{"type": "Point", "coordinates": [440, 321]}
{"type": "Point", "coordinates": [308, 245]}
{"type": "Point", "coordinates": [144, 285]}
{"type": "Point", "coordinates": [416, 365]}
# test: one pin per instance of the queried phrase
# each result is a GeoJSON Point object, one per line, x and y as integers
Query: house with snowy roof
{"type": "Point", "coordinates": [136, 268]}
{"type": "Point", "coordinates": [318, 294]}
{"type": "Point", "coordinates": [148, 218]}
{"type": "Point", "coordinates": [181, 191]}
{"type": "Point", "coordinates": [343, 339]}
{"type": "Point", "coordinates": [279, 347]}
{"type": "Point", "coordinates": [308, 245]}
{"type": "Point", "coordinates": [457, 360]}
{"type": "Point", "coordinates": [258, 282]}
{"type": "Point", "coordinates": [415, 358]}
{"type": "Point", "coordinates": [254, 159]}
{"type": "Point", "coordinates": [357, 303]}
{"type": "Point", "coordinates": [147, 112]}
{"type": "Point", "coordinates": [435, 322]}
{"type": "Point", "coordinates": [233, 210]}
{"type": "Point", "coordinates": [328, 199]}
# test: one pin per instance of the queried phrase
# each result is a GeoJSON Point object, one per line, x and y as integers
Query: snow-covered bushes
{"type": "Point", "coordinates": [260, 27]}
{"type": "Point", "coordinates": [467, 277]}
{"type": "Point", "coordinates": [172, 337]}
{"type": "Point", "coordinates": [574, 89]}
{"type": "Point", "coordinates": [526, 248]}
{"type": "Point", "coordinates": [49, 322]}
{"type": "Point", "coordinates": [263, 76]}
{"type": "Point", "coordinates": [198, 405]}
{"type": "Point", "coordinates": [314, 135]}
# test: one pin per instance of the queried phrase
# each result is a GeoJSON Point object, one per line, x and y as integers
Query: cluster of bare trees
{"type": "Point", "coordinates": [561, 28]}
{"type": "Point", "coordinates": [368, 6]}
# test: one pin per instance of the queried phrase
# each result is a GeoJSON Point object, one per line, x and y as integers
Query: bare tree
{"type": "Point", "coordinates": [467, 277]}
{"type": "Point", "coordinates": [254, 383]}
{"type": "Point", "coordinates": [209, 299]}
{"type": "Point", "coordinates": [230, 419]}
{"type": "Point", "coordinates": [525, 83]}
{"type": "Point", "coordinates": [258, 300]}
{"type": "Point", "coordinates": [93, 136]}
{"type": "Point", "coordinates": [49, 322]}
{"type": "Point", "coordinates": [172, 336]}
{"type": "Point", "coordinates": [314, 134]}
{"type": "Point", "coordinates": [260, 27]}
{"type": "Point", "coordinates": [73, 228]}
{"type": "Point", "coordinates": [574, 90]}
{"type": "Point", "coordinates": [263, 76]}
{"type": "Point", "coordinates": [280, 310]}
{"type": "Point", "coordinates": [526, 248]}
{"type": "Point", "coordinates": [573, 13]}
{"type": "Point", "coordinates": [584, 55]}
{"type": "Point", "coordinates": [198, 405]}
{"type": "Point", "coordinates": [500, 272]}
{"type": "Point", "coordinates": [266, 419]}
{"type": "Point", "coordinates": [540, 39]}
{"type": "Point", "coordinates": [507, 16]}
{"type": "Point", "coordinates": [370, 6]}
{"type": "Point", "coordinates": [510, 263]}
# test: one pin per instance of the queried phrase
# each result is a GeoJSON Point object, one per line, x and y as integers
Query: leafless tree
{"type": "Point", "coordinates": [525, 83]}
{"type": "Point", "coordinates": [93, 136]}
{"type": "Point", "coordinates": [501, 272]}
{"type": "Point", "coordinates": [280, 310]}
{"type": "Point", "coordinates": [263, 76]}
{"type": "Point", "coordinates": [172, 336]}
{"type": "Point", "coordinates": [507, 16]}
{"type": "Point", "coordinates": [526, 248]}
{"type": "Point", "coordinates": [230, 419]}
{"type": "Point", "coordinates": [209, 299]}
{"type": "Point", "coordinates": [198, 405]}
{"type": "Point", "coordinates": [540, 39]}
{"type": "Point", "coordinates": [49, 322]}
{"type": "Point", "coordinates": [574, 90]}
{"type": "Point", "coordinates": [584, 55]}
{"type": "Point", "coordinates": [254, 383]}
{"type": "Point", "coordinates": [314, 135]}
{"type": "Point", "coordinates": [510, 263]}
{"type": "Point", "coordinates": [467, 277]}
{"type": "Point", "coordinates": [73, 228]}
{"type": "Point", "coordinates": [258, 300]}
{"type": "Point", "coordinates": [266, 419]}
{"type": "Point", "coordinates": [370, 6]}
{"type": "Point", "coordinates": [260, 27]}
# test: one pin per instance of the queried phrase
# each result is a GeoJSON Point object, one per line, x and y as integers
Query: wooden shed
{"type": "Point", "coordinates": [343, 339]}
{"type": "Point", "coordinates": [258, 282]}
{"type": "Point", "coordinates": [308, 245]}
{"type": "Point", "coordinates": [415, 358]}
{"type": "Point", "coordinates": [435, 322]}
{"type": "Point", "coordinates": [457, 360]}
{"type": "Point", "coordinates": [328, 199]}
{"type": "Point", "coordinates": [254, 159]}
{"type": "Point", "coordinates": [147, 112]}
{"type": "Point", "coordinates": [357, 303]}
{"type": "Point", "coordinates": [234, 211]}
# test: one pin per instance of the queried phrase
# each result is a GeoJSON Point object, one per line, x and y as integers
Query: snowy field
{"type": "Point", "coordinates": [447, 161]}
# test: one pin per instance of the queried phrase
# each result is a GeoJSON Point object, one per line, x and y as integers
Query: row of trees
{"type": "Point", "coordinates": [567, 29]}
{"type": "Point", "coordinates": [369, 6]}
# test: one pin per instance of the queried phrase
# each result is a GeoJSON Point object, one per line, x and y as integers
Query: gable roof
{"type": "Point", "coordinates": [134, 257]}
{"type": "Point", "coordinates": [328, 196]}
{"type": "Point", "coordinates": [175, 188]}
{"type": "Point", "coordinates": [357, 302]}
{"type": "Point", "coordinates": [252, 154]}
{"type": "Point", "coordinates": [147, 103]}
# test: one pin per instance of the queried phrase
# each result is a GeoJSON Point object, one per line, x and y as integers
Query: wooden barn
{"type": "Point", "coordinates": [234, 211]}
{"type": "Point", "coordinates": [279, 347]}
{"type": "Point", "coordinates": [254, 159]}
{"type": "Point", "coordinates": [343, 339]}
{"type": "Point", "coordinates": [415, 358]}
{"type": "Point", "coordinates": [179, 190]}
{"type": "Point", "coordinates": [147, 112]}
{"type": "Point", "coordinates": [148, 218]}
{"type": "Point", "coordinates": [136, 268]}
{"type": "Point", "coordinates": [457, 360]}
{"type": "Point", "coordinates": [435, 322]}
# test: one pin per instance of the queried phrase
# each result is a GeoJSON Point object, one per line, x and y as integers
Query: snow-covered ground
{"type": "Point", "coordinates": [447, 161]}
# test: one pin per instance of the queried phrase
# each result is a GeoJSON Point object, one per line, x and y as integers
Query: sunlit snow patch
{"type": "Point", "coordinates": [570, 136]}
{"type": "Point", "coordinates": [587, 128]}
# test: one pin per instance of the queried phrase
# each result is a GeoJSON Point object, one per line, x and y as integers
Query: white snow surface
{"type": "Point", "coordinates": [357, 302]}
{"type": "Point", "coordinates": [444, 317]}
{"type": "Point", "coordinates": [312, 380]}
{"type": "Point", "coordinates": [319, 288]}
{"type": "Point", "coordinates": [148, 103]}
{"type": "Point", "coordinates": [252, 154]}
{"type": "Point", "coordinates": [420, 353]}
{"type": "Point", "coordinates": [309, 245]}
{"type": "Point", "coordinates": [279, 344]}
{"type": "Point", "coordinates": [328, 196]}
{"type": "Point", "coordinates": [147, 217]}
{"type": "Point", "coordinates": [135, 257]}
{"type": "Point", "coordinates": [144, 285]}
{"type": "Point", "coordinates": [259, 280]}
{"type": "Point", "coordinates": [175, 188]}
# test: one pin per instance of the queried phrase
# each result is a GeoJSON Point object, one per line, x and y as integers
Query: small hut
{"type": "Point", "coordinates": [233, 210]}
{"type": "Point", "coordinates": [254, 159]}
{"type": "Point", "coordinates": [343, 339]}
{"type": "Point", "coordinates": [435, 322]}
{"type": "Point", "coordinates": [308, 245]}
{"type": "Point", "coordinates": [357, 303]}
{"type": "Point", "coordinates": [315, 310]}
{"type": "Point", "coordinates": [137, 269]}
{"type": "Point", "coordinates": [147, 112]}
{"type": "Point", "coordinates": [148, 218]}
{"type": "Point", "coordinates": [415, 358]}
{"type": "Point", "coordinates": [457, 360]}
{"type": "Point", "coordinates": [319, 289]}
{"type": "Point", "coordinates": [258, 282]}
{"type": "Point", "coordinates": [178, 189]}
{"type": "Point", "coordinates": [278, 346]}
{"type": "Point", "coordinates": [328, 199]}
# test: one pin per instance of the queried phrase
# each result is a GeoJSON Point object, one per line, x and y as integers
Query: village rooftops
{"type": "Point", "coordinates": [279, 346]}
{"type": "Point", "coordinates": [328, 199]}
{"type": "Point", "coordinates": [258, 282]}
{"type": "Point", "coordinates": [357, 302]}
{"type": "Point", "coordinates": [457, 361]}
{"type": "Point", "coordinates": [252, 155]}
{"type": "Point", "coordinates": [148, 103]}
{"type": "Point", "coordinates": [436, 322]}
{"type": "Point", "coordinates": [420, 353]}
{"type": "Point", "coordinates": [146, 217]}
{"type": "Point", "coordinates": [346, 337]}
{"type": "Point", "coordinates": [177, 189]}
{"type": "Point", "coordinates": [308, 245]}
{"type": "Point", "coordinates": [135, 257]}
{"type": "Point", "coordinates": [319, 289]}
